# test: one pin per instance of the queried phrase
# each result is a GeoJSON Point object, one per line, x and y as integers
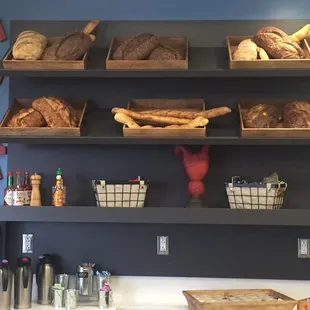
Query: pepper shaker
{"type": "Point", "coordinates": [36, 195]}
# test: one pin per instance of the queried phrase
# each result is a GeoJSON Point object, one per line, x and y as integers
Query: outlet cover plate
{"type": "Point", "coordinates": [162, 245]}
{"type": "Point", "coordinates": [303, 248]}
{"type": "Point", "coordinates": [27, 243]}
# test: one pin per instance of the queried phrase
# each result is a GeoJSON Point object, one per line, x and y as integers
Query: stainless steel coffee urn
{"type": "Point", "coordinates": [85, 278]}
{"type": "Point", "coordinates": [45, 278]}
{"type": "Point", "coordinates": [23, 284]}
{"type": "Point", "coordinates": [6, 277]}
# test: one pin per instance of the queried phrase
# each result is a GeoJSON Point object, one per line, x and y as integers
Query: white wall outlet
{"type": "Point", "coordinates": [304, 248]}
{"type": "Point", "coordinates": [27, 243]}
{"type": "Point", "coordinates": [162, 245]}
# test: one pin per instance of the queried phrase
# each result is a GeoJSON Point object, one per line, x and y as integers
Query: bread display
{"type": "Point", "coordinates": [278, 44]}
{"type": "Point", "coordinates": [262, 116]}
{"type": "Point", "coordinates": [29, 45]}
{"type": "Point", "coordinates": [247, 50]}
{"type": "Point", "coordinates": [27, 118]}
{"type": "Point", "coordinates": [162, 52]}
{"type": "Point", "coordinates": [297, 115]}
{"type": "Point", "coordinates": [56, 112]}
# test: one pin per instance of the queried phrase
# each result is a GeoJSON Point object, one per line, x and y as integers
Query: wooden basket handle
{"type": "Point", "coordinates": [91, 26]}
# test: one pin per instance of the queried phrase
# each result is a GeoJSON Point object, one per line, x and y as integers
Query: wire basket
{"type": "Point", "coordinates": [264, 196]}
{"type": "Point", "coordinates": [122, 194]}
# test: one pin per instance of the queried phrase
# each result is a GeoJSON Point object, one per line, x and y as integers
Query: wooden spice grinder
{"type": "Point", "coordinates": [35, 194]}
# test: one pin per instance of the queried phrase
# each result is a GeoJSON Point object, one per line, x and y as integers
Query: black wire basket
{"type": "Point", "coordinates": [120, 194]}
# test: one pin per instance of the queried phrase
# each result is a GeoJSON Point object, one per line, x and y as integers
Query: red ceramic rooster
{"type": "Point", "coordinates": [196, 167]}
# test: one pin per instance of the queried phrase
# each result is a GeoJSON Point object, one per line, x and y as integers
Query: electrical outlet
{"type": "Point", "coordinates": [304, 248]}
{"type": "Point", "coordinates": [162, 245]}
{"type": "Point", "coordinates": [27, 244]}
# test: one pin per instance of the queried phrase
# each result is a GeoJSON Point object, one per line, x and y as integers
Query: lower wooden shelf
{"type": "Point", "coordinates": [158, 215]}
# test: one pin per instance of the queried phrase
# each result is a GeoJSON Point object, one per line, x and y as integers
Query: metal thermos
{"type": "Point", "coordinates": [23, 284]}
{"type": "Point", "coordinates": [45, 276]}
{"type": "Point", "coordinates": [85, 276]}
{"type": "Point", "coordinates": [6, 277]}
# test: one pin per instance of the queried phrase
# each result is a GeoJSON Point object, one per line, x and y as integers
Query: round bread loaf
{"type": "Point", "coordinates": [278, 44]}
{"type": "Point", "coordinates": [27, 118]}
{"type": "Point", "coordinates": [297, 115]}
{"type": "Point", "coordinates": [262, 116]}
{"type": "Point", "coordinates": [162, 52]}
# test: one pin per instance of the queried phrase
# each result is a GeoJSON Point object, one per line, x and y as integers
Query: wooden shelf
{"type": "Point", "coordinates": [159, 215]}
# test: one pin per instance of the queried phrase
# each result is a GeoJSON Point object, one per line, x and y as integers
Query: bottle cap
{"type": "Point", "coordinates": [59, 171]}
{"type": "Point", "coordinates": [10, 173]}
{"type": "Point", "coordinates": [17, 172]}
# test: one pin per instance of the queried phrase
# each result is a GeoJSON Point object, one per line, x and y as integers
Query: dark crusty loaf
{"type": "Point", "coordinates": [262, 116]}
{"type": "Point", "coordinates": [27, 118]}
{"type": "Point", "coordinates": [278, 44]}
{"type": "Point", "coordinates": [136, 48]}
{"type": "Point", "coordinates": [51, 48]}
{"type": "Point", "coordinates": [162, 52]}
{"type": "Point", "coordinates": [73, 46]}
{"type": "Point", "coordinates": [297, 115]}
{"type": "Point", "coordinates": [57, 112]}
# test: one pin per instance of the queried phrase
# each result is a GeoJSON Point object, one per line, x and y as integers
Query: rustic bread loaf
{"type": "Point", "coordinates": [262, 116]}
{"type": "Point", "coordinates": [50, 50]}
{"type": "Point", "coordinates": [57, 112]}
{"type": "Point", "coordinates": [278, 44]}
{"type": "Point", "coordinates": [27, 118]}
{"type": "Point", "coordinates": [297, 114]}
{"type": "Point", "coordinates": [29, 45]}
{"type": "Point", "coordinates": [164, 52]}
{"type": "Point", "coordinates": [247, 50]}
{"type": "Point", "coordinates": [136, 48]}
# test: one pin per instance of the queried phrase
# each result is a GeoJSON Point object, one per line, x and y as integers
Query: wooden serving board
{"type": "Point", "coordinates": [79, 106]}
{"type": "Point", "coordinates": [178, 43]}
{"type": "Point", "coordinates": [233, 42]}
{"type": "Point", "coordinates": [278, 131]}
{"type": "Point", "coordinates": [10, 63]}
{"type": "Point", "coordinates": [256, 299]}
{"type": "Point", "coordinates": [149, 104]}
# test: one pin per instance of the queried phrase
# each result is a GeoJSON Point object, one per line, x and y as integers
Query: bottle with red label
{"type": "Point", "coordinates": [18, 191]}
{"type": "Point", "coordinates": [27, 189]}
{"type": "Point", "coordinates": [8, 191]}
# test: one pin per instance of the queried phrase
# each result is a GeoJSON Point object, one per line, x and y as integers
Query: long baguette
{"type": "Point", "coordinates": [152, 118]}
{"type": "Point", "coordinates": [188, 114]}
{"type": "Point", "coordinates": [126, 120]}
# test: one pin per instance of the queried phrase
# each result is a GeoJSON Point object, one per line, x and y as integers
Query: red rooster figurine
{"type": "Point", "coordinates": [196, 167]}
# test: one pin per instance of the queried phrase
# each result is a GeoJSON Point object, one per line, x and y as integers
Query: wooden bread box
{"type": "Point", "coordinates": [278, 131]}
{"type": "Point", "coordinates": [149, 104]}
{"type": "Point", "coordinates": [234, 41]}
{"type": "Point", "coordinates": [178, 43]}
{"type": "Point", "coordinates": [18, 104]}
{"type": "Point", "coordinates": [10, 63]}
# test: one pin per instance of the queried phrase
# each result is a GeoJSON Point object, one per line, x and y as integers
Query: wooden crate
{"type": "Point", "coordinates": [149, 104]}
{"type": "Point", "coordinates": [238, 299]}
{"type": "Point", "coordinates": [79, 106]}
{"type": "Point", "coordinates": [233, 42]}
{"type": "Point", "coordinates": [10, 63]}
{"type": "Point", "coordinates": [278, 131]}
{"type": "Point", "coordinates": [178, 43]}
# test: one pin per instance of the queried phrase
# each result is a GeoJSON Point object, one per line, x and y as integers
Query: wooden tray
{"type": "Point", "coordinates": [178, 43]}
{"type": "Point", "coordinates": [10, 63]}
{"type": "Point", "coordinates": [147, 104]}
{"type": "Point", "coordinates": [80, 107]}
{"type": "Point", "coordinates": [238, 299]}
{"type": "Point", "coordinates": [233, 42]}
{"type": "Point", "coordinates": [279, 131]}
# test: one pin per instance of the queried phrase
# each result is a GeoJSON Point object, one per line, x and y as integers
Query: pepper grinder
{"type": "Point", "coordinates": [35, 194]}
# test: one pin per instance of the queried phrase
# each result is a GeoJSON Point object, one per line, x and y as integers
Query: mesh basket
{"type": "Point", "coordinates": [122, 194]}
{"type": "Point", "coordinates": [255, 195]}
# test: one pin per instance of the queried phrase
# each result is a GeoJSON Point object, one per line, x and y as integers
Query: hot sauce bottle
{"type": "Point", "coordinates": [27, 189]}
{"type": "Point", "coordinates": [18, 191]}
{"type": "Point", "coordinates": [59, 190]}
{"type": "Point", "coordinates": [8, 191]}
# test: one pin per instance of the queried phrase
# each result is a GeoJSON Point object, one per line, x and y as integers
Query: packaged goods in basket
{"type": "Point", "coordinates": [267, 194]}
{"type": "Point", "coordinates": [123, 194]}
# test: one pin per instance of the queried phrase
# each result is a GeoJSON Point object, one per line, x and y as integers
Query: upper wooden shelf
{"type": "Point", "coordinates": [203, 63]}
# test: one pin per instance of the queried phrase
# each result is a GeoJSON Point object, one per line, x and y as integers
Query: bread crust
{"type": "Point", "coordinates": [27, 118]}
{"type": "Point", "coordinates": [297, 114]}
{"type": "Point", "coordinates": [163, 52]}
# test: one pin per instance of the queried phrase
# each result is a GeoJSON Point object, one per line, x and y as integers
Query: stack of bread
{"type": "Point", "coordinates": [167, 118]}
{"type": "Point", "coordinates": [46, 111]}
{"type": "Point", "coordinates": [145, 46]}
{"type": "Point", "coordinates": [272, 43]}
{"type": "Point", "coordinates": [31, 45]}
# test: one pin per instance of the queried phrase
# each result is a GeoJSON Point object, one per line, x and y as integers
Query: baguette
{"type": "Point", "coordinates": [301, 34]}
{"type": "Point", "coordinates": [189, 114]}
{"type": "Point", "coordinates": [126, 120]}
{"type": "Point", "coordinates": [152, 118]}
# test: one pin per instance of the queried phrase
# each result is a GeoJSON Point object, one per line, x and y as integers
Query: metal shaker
{"type": "Point", "coordinates": [6, 277]}
{"type": "Point", "coordinates": [85, 276]}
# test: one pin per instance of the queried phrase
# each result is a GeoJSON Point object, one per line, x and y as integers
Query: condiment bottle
{"type": "Point", "coordinates": [18, 191]}
{"type": "Point", "coordinates": [35, 194]}
{"type": "Point", "coordinates": [59, 190]}
{"type": "Point", "coordinates": [8, 191]}
{"type": "Point", "coordinates": [27, 189]}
